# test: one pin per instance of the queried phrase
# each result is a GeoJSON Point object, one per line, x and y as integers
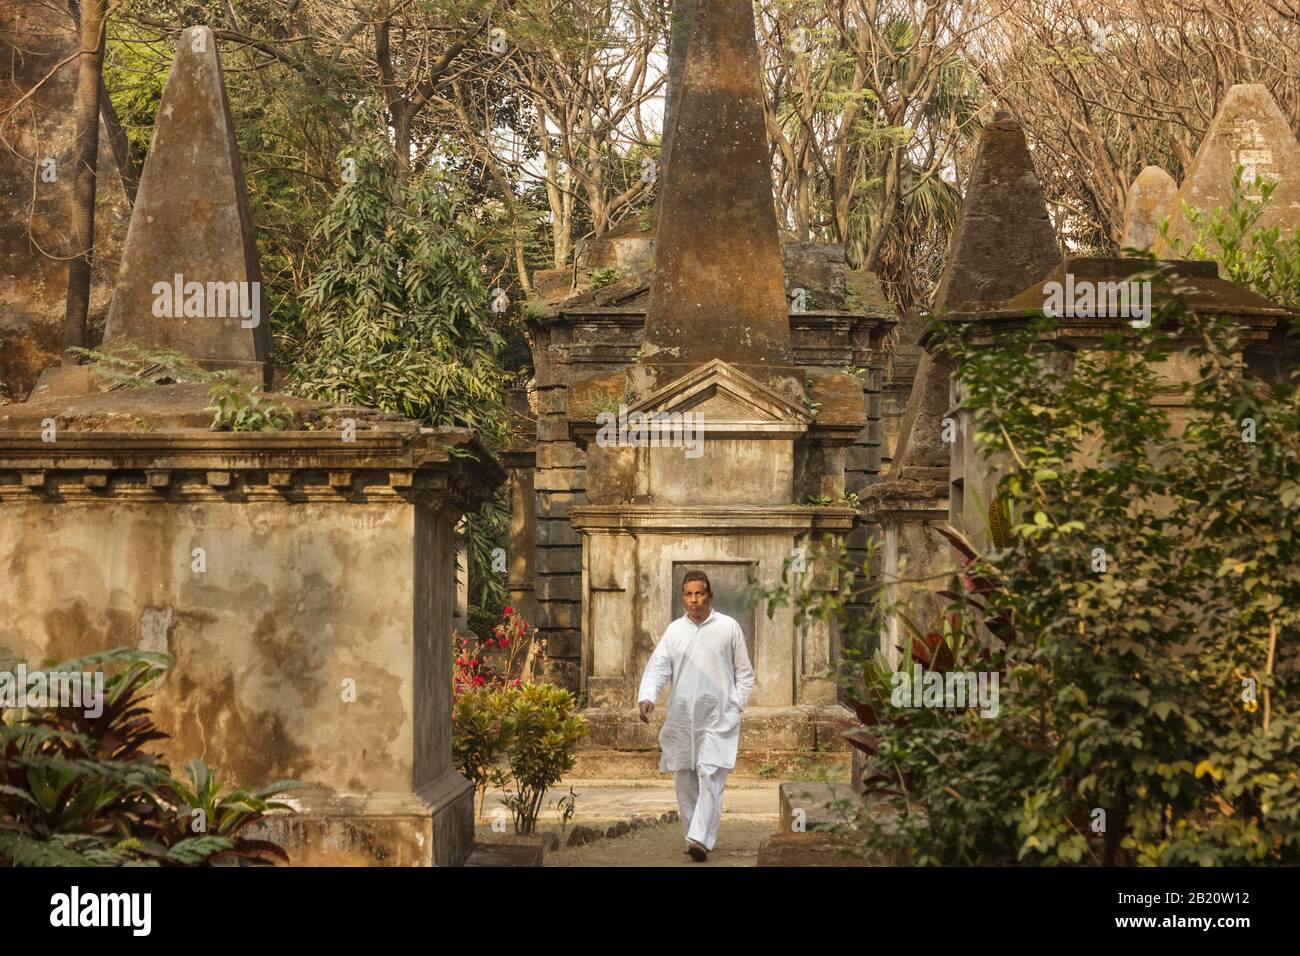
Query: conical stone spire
{"type": "Point", "coordinates": [189, 278]}
{"type": "Point", "coordinates": [717, 290]}
{"type": "Point", "coordinates": [1249, 129]}
{"type": "Point", "coordinates": [1003, 241]}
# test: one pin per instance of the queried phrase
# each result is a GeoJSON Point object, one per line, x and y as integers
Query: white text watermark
{"type": "Point", "coordinates": [955, 689]}
{"type": "Point", "coordinates": [652, 430]}
{"type": "Point", "coordinates": [42, 688]}
{"type": "Point", "coordinates": [179, 299]}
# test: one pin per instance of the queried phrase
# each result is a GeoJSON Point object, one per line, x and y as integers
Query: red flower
{"type": "Point", "coordinates": [508, 611]}
{"type": "Point", "coordinates": [478, 680]}
{"type": "Point", "coordinates": [491, 643]}
{"type": "Point", "coordinates": [515, 682]}
{"type": "Point", "coordinates": [505, 641]}
{"type": "Point", "coordinates": [464, 642]}
{"type": "Point", "coordinates": [474, 662]}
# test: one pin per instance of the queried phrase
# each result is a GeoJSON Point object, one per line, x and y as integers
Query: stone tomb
{"type": "Point", "coordinates": [1002, 241]}
{"type": "Point", "coordinates": [770, 469]}
{"type": "Point", "coordinates": [1250, 130]}
{"type": "Point", "coordinates": [1262, 326]}
{"type": "Point", "coordinates": [281, 570]}
{"type": "Point", "coordinates": [302, 580]}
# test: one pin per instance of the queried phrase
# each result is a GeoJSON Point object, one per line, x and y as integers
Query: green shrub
{"type": "Point", "coordinates": [1147, 712]}
{"type": "Point", "coordinates": [544, 729]}
{"type": "Point", "coordinates": [480, 738]}
{"type": "Point", "coordinates": [603, 277]}
{"type": "Point", "coordinates": [521, 737]}
{"type": "Point", "coordinates": [238, 409]}
{"type": "Point", "coordinates": [77, 790]}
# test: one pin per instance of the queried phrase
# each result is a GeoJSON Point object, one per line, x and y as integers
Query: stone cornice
{"type": "Point", "coordinates": [674, 519]}
{"type": "Point", "coordinates": [193, 465]}
{"type": "Point", "coordinates": [906, 500]}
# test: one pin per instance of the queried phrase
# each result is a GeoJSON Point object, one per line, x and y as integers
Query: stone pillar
{"type": "Point", "coordinates": [521, 552]}
{"type": "Point", "coordinates": [460, 610]}
{"type": "Point", "coordinates": [916, 559]}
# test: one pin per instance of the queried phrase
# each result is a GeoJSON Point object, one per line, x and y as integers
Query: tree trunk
{"type": "Point", "coordinates": [82, 218]}
{"type": "Point", "coordinates": [128, 166]}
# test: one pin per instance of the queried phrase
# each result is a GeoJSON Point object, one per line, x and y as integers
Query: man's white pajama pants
{"type": "Point", "coordinates": [699, 801]}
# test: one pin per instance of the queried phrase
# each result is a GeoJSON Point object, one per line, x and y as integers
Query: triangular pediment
{"type": "Point", "coordinates": [724, 395]}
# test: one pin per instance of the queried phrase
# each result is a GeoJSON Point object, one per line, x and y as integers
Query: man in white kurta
{"type": "Point", "coordinates": [703, 653]}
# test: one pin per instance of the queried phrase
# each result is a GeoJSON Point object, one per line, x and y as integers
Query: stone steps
{"type": "Point", "coordinates": [629, 765]}
{"type": "Point", "coordinates": [774, 741]}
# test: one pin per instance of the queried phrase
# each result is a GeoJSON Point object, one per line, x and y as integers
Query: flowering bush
{"type": "Point", "coordinates": [490, 705]}
{"type": "Point", "coordinates": [510, 657]}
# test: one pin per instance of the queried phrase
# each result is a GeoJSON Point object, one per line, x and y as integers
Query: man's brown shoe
{"type": "Point", "coordinates": [697, 851]}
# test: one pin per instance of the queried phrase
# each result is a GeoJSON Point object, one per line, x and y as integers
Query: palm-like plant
{"type": "Point", "coordinates": [79, 790]}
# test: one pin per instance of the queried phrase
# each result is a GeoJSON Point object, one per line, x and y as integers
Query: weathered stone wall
{"type": "Point", "coordinates": [278, 615]}
{"type": "Point", "coordinates": [34, 215]}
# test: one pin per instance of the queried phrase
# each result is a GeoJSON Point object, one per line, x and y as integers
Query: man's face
{"type": "Point", "coordinates": [697, 599]}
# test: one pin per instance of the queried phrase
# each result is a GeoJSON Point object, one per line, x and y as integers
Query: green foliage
{"type": "Point", "coordinates": [544, 729]}
{"type": "Point", "coordinates": [607, 404]}
{"type": "Point", "coordinates": [1159, 691]}
{"type": "Point", "coordinates": [520, 736]}
{"type": "Point", "coordinates": [1258, 258]}
{"type": "Point", "coordinates": [396, 316]}
{"type": "Point", "coordinates": [603, 277]}
{"type": "Point", "coordinates": [79, 790]}
{"type": "Point", "coordinates": [479, 742]}
{"type": "Point", "coordinates": [484, 532]}
{"type": "Point", "coordinates": [847, 500]}
{"type": "Point", "coordinates": [129, 365]}
{"type": "Point", "coordinates": [1121, 690]}
{"type": "Point", "coordinates": [236, 408]}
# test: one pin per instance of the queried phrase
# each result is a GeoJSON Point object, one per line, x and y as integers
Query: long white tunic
{"type": "Point", "coordinates": [712, 678]}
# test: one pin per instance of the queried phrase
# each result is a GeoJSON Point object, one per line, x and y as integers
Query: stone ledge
{"type": "Point", "coordinates": [638, 765]}
{"type": "Point", "coordinates": [194, 486]}
{"type": "Point", "coordinates": [197, 465]}
{"type": "Point", "coordinates": [761, 728]}
{"type": "Point", "coordinates": [759, 518]}
{"type": "Point", "coordinates": [805, 849]}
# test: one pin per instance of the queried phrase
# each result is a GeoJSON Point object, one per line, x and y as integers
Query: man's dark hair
{"type": "Point", "coordinates": [697, 576]}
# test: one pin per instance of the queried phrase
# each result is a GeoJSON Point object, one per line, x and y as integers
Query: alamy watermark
{"type": "Point", "coordinates": [45, 688]}
{"type": "Point", "coordinates": [1084, 298]}
{"type": "Point", "coordinates": [179, 299]}
{"type": "Point", "coordinates": [652, 430]}
{"type": "Point", "coordinates": [954, 689]}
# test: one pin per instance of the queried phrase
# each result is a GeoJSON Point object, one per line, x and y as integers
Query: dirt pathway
{"type": "Point", "coordinates": [750, 813]}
